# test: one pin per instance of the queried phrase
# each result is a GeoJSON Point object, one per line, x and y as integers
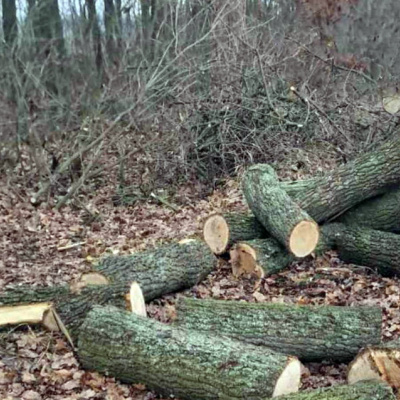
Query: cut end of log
{"type": "Point", "coordinates": [135, 300]}
{"type": "Point", "coordinates": [304, 238]}
{"type": "Point", "coordinates": [25, 314]}
{"type": "Point", "coordinates": [376, 363]}
{"type": "Point", "coordinates": [244, 261]}
{"type": "Point", "coordinates": [94, 278]}
{"type": "Point", "coordinates": [289, 381]}
{"type": "Point", "coordinates": [216, 233]}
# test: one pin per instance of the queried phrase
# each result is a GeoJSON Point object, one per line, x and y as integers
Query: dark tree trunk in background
{"type": "Point", "coordinates": [10, 28]}
{"type": "Point", "coordinates": [95, 33]}
{"type": "Point", "coordinates": [109, 23]}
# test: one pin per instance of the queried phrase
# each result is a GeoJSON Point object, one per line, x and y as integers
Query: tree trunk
{"type": "Point", "coordinates": [368, 247]}
{"type": "Point", "coordinates": [10, 27]}
{"type": "Point", "coordinates": [70, 305]}
{"type": "Point", "coordinates": [166, 269]}
{"type": "Point", "coordinates": [277, 212]}
{"type": "Point", "coordinates": [364, 177]}
{"type": "Point", "coordinates": [381, 213]}
{"type": "Point", "coordinates": [109, 24]}
{"type": "Point", "coordinates": [220, 232]}
{"type": "Point", "coordinates": [94, 29]}
{"type": "Point", "coordinates": [310, 333]}
{"type": "Point", "coordinates": [366, 390]}
{"type": "Point", "coordinates": [381, 362]}
{"type": "Point", "coordinates": [259, 257]}
{"type": "Point", "coordinates": [181, 363]}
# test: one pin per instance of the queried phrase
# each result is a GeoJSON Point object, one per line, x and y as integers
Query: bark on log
{"type": "Point", "coordinates": [309, 333]}
{"type": "Point", "coordinates": [381, 212]}
{"type": "Point", "coordinates": [367, 390]}
{"type": "Point", "coordinates": [259, 257]}
{"type": "Point", "coordinates": [368, 247]}
{"type": "Point", "coordinates": [70, 306]}
{"type": "Point", "coordinates": [364, 177]}
{"type": "Point", "coordinates": [166, 269]}
{"type": "Point", "coordinates": [183, 363]}
{"type": "Point", "coordinates": [221, 231]}
{"type": "Point", "coordinates": [277, 212]}
{"type": "Point", "coordinates": [380, 362]}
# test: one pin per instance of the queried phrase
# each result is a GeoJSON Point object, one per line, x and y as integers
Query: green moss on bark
{"type": "Point", "coordinates": [172, 361]}
{"type": "Point", "coordinates": [309, 332]}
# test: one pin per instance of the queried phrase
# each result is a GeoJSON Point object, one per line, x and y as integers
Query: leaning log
{"type": "Point", "coordinates": [277, 212]}
{"type": "Point", "coordinates": [380, 362]}
{"type": "Point", "coordinates": [368, 247]}
{"type": "Point", "coordinates": [182, 363]}
{"type": "Point", "coordinates": [312, 333]}
{"type": "Point", "coordinates": [165, 269]}
{"type": "Point", "coordinates": [366, 390]}
{"type": "Point", "coordinates": [366, 176]}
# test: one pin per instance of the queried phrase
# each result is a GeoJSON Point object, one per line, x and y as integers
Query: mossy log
{"type": "Point", "coordinates": [182, 363]}
{"type": "Point", "coordinates": [19, 305]}
{"type": "Point", "coordinates": [277, 212]}
{"type": "Point", "coordinates": [381, 362]}
{"type": "Point", "coordinates": [311, 333]}
{"type": "Point", "coordinates": [381, 212]}
{"type": "Point", "coordinates": [368, 247]}
{"type": "Point", "coordinates": [259, 257]}
{"type": "Point", "coordinates": [221, 231]}
{"type": "Point", "coordinates": [366, 176]}
{"type": "Point", "coordinates": [367, 390]}
{"type": "Point", "coordinates": [165, 269]}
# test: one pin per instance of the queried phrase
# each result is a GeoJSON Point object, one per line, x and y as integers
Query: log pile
{"type": "Point", "coordinates": [217, 349]}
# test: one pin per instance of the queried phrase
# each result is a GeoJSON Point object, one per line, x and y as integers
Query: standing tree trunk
{"type": "Point", "coordinates": [109, 22]}
{"type": "Point", "coordinates": [182, 363]}
{"type": "Point", "coordinates": [10, 27]}
{"type": "Point", "coordinates": [94, 29]}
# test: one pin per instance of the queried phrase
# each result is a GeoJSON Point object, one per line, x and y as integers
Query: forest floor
{"type": "Point", "coordinates": [41, 246]}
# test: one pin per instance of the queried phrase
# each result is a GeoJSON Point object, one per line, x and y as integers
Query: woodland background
{"type": "Point", "coordinates": [123, 124]}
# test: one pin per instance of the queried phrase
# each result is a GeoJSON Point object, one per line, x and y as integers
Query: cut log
{"type": "Point", "coordinates": [163, 270]}
{"type": "Point", "coordinates": [220, 232]}
{"type": "Point", "coordinates": [377, 362]}
{"type": "Point", "coordinates": [362, 246]}
{"type": "Point", "coordinates": [259, 257]}
{"type": "Point", "coordinates": [182, 363]}
{"type": "Point", "coordinates": [24, 314]}
{"type": "Point", "coordinates": [366, 176]}
{"type": "Point", "coordinates": [309, 332]}
{"type": "Point", "coordinates": [277, 212]}
{"type": "Point", "coordinates": [367, 390]}
{"type": "Point", "coordinates": [65, 307]}
{"type": "Point", "coordinates": [381, 212]}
